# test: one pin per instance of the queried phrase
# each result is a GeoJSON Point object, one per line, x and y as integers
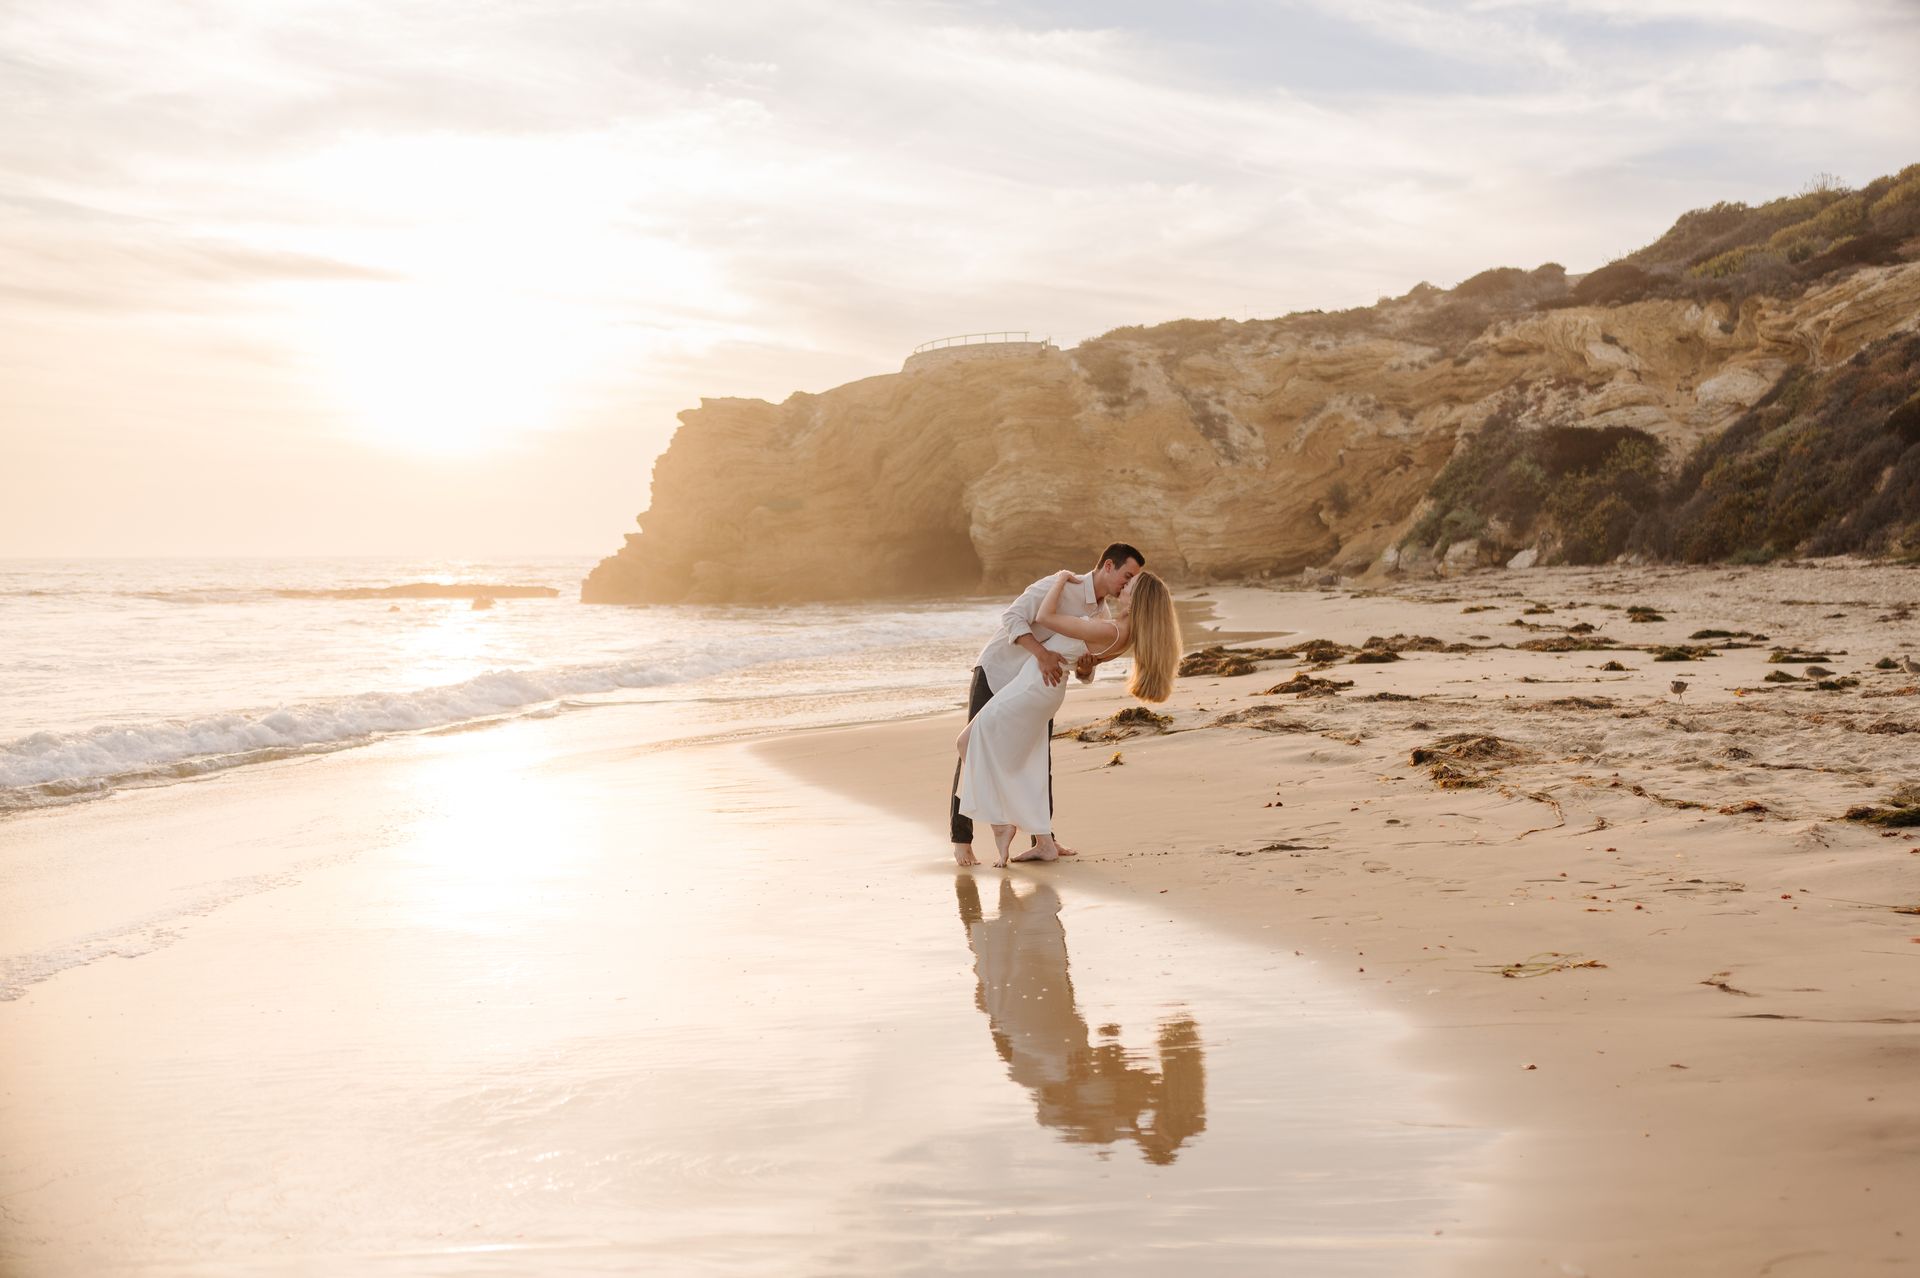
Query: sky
{"type": "Point", "coordinates": [315, 277]}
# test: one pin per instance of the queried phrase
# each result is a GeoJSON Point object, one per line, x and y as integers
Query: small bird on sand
{"type": "Point", "coordinates": [1910, 665]}
{"type": "Point", "coordinates": [1819, 672]}
{"type": "Point", "coordinates": [1679, 687]}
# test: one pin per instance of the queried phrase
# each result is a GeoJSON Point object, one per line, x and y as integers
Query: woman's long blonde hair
{"type": "Point", "coordinates": [1154, 639]}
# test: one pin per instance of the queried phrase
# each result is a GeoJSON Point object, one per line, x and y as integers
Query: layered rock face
{"type": "Point", "coordinates": [1224, 450]}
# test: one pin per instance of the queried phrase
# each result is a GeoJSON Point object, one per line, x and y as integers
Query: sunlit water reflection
{"type": "Point", "coordinates": [529, 1008]}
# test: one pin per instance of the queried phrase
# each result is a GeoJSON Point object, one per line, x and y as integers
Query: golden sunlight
{"type": "Point", "coordinates": [507, 257]}
{"type": "Point", "coordinates": [445, 369]}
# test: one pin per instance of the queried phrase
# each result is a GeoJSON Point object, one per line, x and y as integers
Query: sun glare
{"type": "Point", "coordinates": [517, 269]}
{"type": "Point", "coordinates": [447, 370]}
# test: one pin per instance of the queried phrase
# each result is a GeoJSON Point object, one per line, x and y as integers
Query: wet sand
{"type": "Point", "coordinates": [1630, 927]}
{"type": "Point", "coordinates": [537, 1000]}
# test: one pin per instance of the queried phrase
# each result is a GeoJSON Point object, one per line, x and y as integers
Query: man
{"type": "Point", "coordinates": [1018, 640]}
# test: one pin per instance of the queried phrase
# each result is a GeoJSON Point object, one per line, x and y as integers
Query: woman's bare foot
{"type": "Point", "coordinates": [1043, 849]}
{"type": "Point", "coordinates": [963, 854]}
{"type": "Point", "coordinates": [1063, 849]}
{"type": "Point", "coordinates": [1002, 839]}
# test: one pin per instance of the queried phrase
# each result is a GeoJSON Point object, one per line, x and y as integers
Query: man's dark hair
{"type": "Point", "coordinates": [1119, 552]}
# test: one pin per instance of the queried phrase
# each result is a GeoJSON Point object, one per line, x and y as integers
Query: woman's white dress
{"type": "Point", "coordinates": [1003, 779]}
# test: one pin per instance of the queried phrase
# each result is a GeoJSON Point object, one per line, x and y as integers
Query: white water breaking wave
{"type": "Point", "coordinates": [55, 767]}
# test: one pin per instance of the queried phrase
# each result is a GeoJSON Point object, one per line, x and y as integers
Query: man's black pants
{"type": "Point", "coordinates": [978, 694]}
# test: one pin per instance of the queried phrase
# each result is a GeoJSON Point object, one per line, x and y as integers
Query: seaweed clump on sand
{"type": "Point", "coordinates": [1465, 760]}
{"type": "Point", "coordinates": [1124, 724]}
{"type": "Point", "coordinates": [1223, 662]}
{"type": "Point", "coordinates": [1320, 652]}
{"type": "Point", "coordinates": [1569, 643]}
{"type": "Point", "coordinates": [1414, 643]}
{"type": "Point", "coordinates": [1902, 808]}
{"type": "Point", "coordinates": [1263, 718]}
{"type": "Point", "coordinates": [1682, 652]}
{"type": "Point", "coordinates": [1306, 685]}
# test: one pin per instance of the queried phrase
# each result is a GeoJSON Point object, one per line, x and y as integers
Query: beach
{"type": "Point", "coordinates": [1630, 931]}
{"type": "Point", "coordinates": [1603, 988]}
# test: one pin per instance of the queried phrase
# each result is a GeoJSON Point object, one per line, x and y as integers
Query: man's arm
{"type": "Point", "coordinates": [1018, 618]}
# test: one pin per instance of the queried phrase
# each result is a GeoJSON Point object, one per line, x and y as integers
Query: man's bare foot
{"type": "Point", "coordinates": [1002, 839]}
{"type": "Point", "coordinates": [1063, 849]}
{"type": "Point", "coordinates": [963, 854]}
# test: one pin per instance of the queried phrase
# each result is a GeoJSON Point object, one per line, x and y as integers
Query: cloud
{"type": "Point", "coordinates": [686, 198]}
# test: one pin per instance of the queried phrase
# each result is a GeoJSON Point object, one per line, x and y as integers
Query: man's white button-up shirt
{"type": "Point", "coordinates": [1002, 657]}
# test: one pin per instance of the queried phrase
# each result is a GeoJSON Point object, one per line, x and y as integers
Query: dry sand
{"type": "Point", "coordinates": [1630, 926]}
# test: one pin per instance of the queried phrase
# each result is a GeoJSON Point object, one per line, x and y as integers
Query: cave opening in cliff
{"type": "Point", "coordinates": [939, 561]}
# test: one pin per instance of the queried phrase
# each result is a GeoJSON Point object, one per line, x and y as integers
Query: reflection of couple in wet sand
{"type": "Point", "coordinates": [1061, 622]}
{"type": "Point", "coordinates": [1093, 1094]}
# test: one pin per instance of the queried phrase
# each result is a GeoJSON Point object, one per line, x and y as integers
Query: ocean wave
{"type": "Point", "coordinates": [56, 767]}
{"type": "Point", "coordinates": [259, 594]}
{"type": "Point", "coordinates": [427, 590]}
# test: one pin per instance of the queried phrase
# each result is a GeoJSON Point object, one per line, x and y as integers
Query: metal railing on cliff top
{"type": "Point", "coordinates": [969, 339]}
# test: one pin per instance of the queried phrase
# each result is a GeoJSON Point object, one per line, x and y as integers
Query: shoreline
{"type": "Point", "coordinates": [552, 999]}
{"type": "Point", "coordinates": [1698, 1056]}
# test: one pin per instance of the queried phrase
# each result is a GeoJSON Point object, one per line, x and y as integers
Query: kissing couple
{"type": "Point", "coordinates": [1062, 621]}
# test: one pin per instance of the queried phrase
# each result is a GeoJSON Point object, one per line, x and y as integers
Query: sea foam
{"type": "Point", "coordinates": [51, 767]}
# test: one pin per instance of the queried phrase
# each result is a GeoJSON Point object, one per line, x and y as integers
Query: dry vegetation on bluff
{"type": "Point", "coordinates": [1741, 388]}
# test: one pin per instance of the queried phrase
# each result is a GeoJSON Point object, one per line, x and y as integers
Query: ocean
{"type": "Point", "coordinates": [420, 938]}
{"type": "Point", "coordinates": [118, 673]}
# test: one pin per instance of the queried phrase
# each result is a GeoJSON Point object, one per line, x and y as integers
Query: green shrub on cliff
{"type": "Point", "coordinates": [1588, 488]}
{"type": "Point", "coordinates": [1730, 251]}
{"type": "Point", "coordinates": [1823, 464]}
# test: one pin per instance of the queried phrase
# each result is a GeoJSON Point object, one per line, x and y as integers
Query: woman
{"type": "Point", "coordinates": [1003, 772]}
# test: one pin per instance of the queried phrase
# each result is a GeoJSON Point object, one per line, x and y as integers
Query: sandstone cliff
{"type": "Point", "coordinates": [1224, 449]}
